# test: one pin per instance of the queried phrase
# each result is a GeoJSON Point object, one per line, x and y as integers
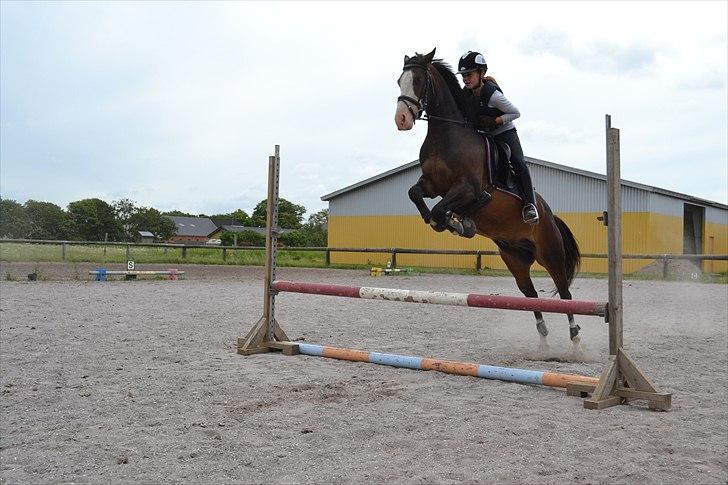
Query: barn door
{"type": "Point", "coordinates": [693, 217]}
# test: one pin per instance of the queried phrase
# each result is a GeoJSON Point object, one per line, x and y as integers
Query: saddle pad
{"type": "Point", "coordinates": [499, 169]}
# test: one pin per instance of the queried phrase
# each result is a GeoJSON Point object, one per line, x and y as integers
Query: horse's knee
{"type": "Point", "coordinates": [415, 193]}
{"type": "Point", "coordinates": [438, 213]}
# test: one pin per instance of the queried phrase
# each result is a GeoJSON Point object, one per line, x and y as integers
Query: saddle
{"type": "Point", "coordinates": [500, 170]}
{"type": "Point", "coordinates": [500, 174]}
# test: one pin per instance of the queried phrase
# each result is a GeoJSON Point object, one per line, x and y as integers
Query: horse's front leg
{"type": "Point", "coordinates": [417, 195]}
{"type": "Point", "coordinates": [460, 195]}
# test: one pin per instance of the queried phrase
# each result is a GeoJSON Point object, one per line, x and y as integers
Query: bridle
{"type": "Point", "coordinates": [422, 105]}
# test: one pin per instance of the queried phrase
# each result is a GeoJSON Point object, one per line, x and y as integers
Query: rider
{"type": "Point", "coordinates": [492, 113]}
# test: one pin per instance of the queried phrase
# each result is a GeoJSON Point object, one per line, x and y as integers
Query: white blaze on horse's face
{"type": "Point", "coordinates": [403, 117]}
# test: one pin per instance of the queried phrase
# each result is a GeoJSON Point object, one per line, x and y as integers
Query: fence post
{"type": "Point", "coordinates": [128, 252]}
{"type": "Point", "coordinates": [328, 258]}
{"type": "Point", "coordinates": [478, 262]}
{"type": "Point", "coordinates": [664, 267]}
{"type": "Point", "coordinates": [184, 252]}
{"type": "Point", "coordinates": [63, 251]}
{"type": "Point", "coordinates": [224, 254]}
{"type": "Point", "coordinates": [394, 258]}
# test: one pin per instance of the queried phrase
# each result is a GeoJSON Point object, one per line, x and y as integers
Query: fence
{"type": "Point", "coordinates": [392, 252]}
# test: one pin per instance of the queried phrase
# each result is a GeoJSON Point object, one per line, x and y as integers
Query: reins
{"type": "Point", "coordinates": [422, 106]}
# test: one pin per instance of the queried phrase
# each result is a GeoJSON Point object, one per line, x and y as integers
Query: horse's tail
{"type": "Point", "coordinates": [572, 255]}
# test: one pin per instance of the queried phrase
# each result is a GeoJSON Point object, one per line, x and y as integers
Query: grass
{"type": "Point", "coordinates": [20, 252]}
{"type": "Point", "coordinates": [76, 253]}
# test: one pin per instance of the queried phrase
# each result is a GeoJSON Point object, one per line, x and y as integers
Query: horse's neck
{"type": "Point", "coordinates": [443, 104]}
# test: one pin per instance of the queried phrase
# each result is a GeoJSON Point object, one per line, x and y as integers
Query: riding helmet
{"type": "Point", "coordinates": [470, 61]}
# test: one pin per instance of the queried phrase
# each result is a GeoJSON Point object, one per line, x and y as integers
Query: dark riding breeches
{"type": "Point", "coordinates": [518, 163]}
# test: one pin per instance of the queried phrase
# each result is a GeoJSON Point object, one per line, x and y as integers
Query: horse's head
{"type": "Point", "coordinates": [413, 83]}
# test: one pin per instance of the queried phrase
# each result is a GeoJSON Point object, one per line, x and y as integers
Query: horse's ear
{"type": "Point", "coordinates": [428, 58]}
{"type": "Point", "coordinates": [406, 58]}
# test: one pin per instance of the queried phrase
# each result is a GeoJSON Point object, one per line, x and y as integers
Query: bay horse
{"type": "Point", "coordinates": [453, 164]}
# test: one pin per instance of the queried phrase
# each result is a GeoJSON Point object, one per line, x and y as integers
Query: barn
{"type": "Point", "coordinates": [377, 212]}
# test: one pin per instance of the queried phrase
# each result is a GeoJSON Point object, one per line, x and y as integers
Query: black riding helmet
{"type": "Point", "coordinates": [471, 61]}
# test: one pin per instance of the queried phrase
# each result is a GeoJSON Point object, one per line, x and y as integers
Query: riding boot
{"type": "Point", "coordinates": [530, 214]}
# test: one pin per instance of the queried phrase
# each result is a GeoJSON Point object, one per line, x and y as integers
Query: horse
{"type": "Point", "coordinates": [453, 165]}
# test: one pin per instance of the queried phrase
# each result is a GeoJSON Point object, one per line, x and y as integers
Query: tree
{"type": "Point", "coordinates": [177, 213]}
{"type": "Point", "coordinates": [94, 218]}
{"type": "Point", "coordinates": [316, 229]}
{"type": "Point", "coordinates": [290, 215]}
{"type": "Point", "coordinates": [318, 220]}
{"type": "Point", "coordinates": [244, 238]}
{"type": "Point", "coordinates": [150, 219]}
{"type": "Point", "coordinates": [238, 215]}
{"type": "Point", "coordinates": [48, 221]}
{"type": "Point", "coordinates": [14, 222]}
{"type": "Point", "coordinates": [124, 209]}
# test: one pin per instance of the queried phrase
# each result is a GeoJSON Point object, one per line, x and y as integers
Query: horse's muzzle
{"type": "Point", "coordinates": [403, 118]}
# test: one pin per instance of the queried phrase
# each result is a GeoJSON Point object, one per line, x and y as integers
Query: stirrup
{"type": "Point", "coordinates": [530, 214]}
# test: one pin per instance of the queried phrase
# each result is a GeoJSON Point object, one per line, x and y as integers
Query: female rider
{"type": "Point", "coordinates": [492, 113]}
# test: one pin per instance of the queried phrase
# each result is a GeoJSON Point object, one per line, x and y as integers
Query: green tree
{"type": "Point", "coordinates": [290, 215]}
{"type": "Point", "coordinates": [94, 218]}
{"type": "Point", "coordinates": [177, 213]}
{"type": "Point", "coordinates": [150, 219]}
{"type": "Point", "coordinates": [239, 215]}
{"type": "Point", "coordinates": [124, 210]}
{"type": "Point", "coordinates": [318, 220]}
{"type": "Point", "coordinates": [316, 228]}
{"type": "Point", "coordinates": [244, 238]}
{"type": "Point", "coordinates": [48, 221]}
{"type": "Point", "coordinates": [14, 223]}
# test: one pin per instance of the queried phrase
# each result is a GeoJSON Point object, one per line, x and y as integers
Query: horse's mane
{"type": "Point", "coordinates": [450, 80]}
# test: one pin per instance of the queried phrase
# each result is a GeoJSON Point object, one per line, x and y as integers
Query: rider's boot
{"type": "Point", "coordinates": [530, 214]}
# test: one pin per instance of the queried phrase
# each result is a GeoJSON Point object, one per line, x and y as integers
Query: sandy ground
{"type": "Point", "coordinates": [138, 381]}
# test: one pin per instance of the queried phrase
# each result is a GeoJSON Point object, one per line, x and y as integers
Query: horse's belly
{"type": "Point", "coordinates": [501, 218]}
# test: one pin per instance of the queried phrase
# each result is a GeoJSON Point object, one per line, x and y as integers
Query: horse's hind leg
{"type": "Point", "coordinates": [555, 268]}
{"type": "Point", "coordinates": [519, 263]}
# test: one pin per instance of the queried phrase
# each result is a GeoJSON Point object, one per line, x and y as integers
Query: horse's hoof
{"type": "Point", "coordinates": [542, 330]}
{"type": "Point", "coordinates": [455, 226]}
{"type": "Point", "coordinates": [574, 332]}
{"type": "Point", "coordinates": [468, 227]}
{"type": "Point", "coordinates": [437, 226]}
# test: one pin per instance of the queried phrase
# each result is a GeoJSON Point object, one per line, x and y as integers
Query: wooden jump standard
{"type": "Point", "coordinates": [620, 382]}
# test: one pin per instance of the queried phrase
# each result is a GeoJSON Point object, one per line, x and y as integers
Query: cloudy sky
{"type": "Point", "coordinates": [178, 105]}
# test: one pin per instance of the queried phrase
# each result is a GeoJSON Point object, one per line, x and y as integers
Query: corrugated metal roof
{"type": "Point", "coordinates": [225, 221]}
{"type": "Point", "coordinates": [145, 234]}
{"type": "Point", "coordinates": [543, 163]}
{"type": "Point", "coordinates": [259, 230]}
{"type": "Point", "coordinates": [193, 226]}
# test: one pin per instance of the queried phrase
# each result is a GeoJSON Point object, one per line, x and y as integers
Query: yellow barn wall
{"type": "Point", "coordinates": [715, 240]}
{"type": "Point", "coordinates": [642, 232]}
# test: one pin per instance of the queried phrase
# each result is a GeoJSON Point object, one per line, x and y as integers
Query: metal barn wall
{"type": "Point", "coordinates": [385, 197]}
{"type": "Point", "coordinates": [716, 237]}
{"type": "Point", "coordinates": [380, 214]}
